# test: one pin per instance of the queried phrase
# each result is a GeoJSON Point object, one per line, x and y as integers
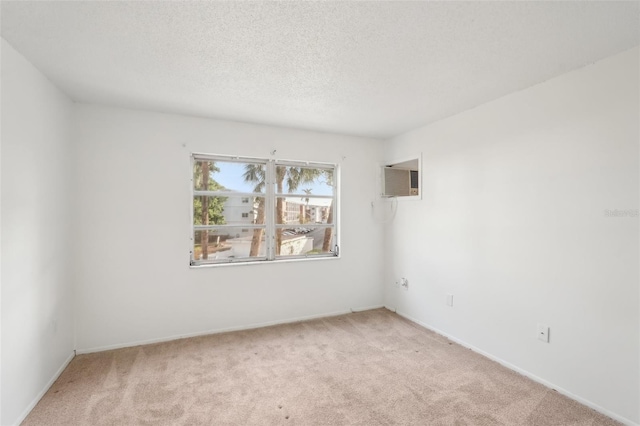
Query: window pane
{"type": "Point", "coordinates": [228, 176]}
{"type": "Point", "coordinates": [303, 210]}
{"type": "Point", "coordinates": [228, 244]}
{"type": "Point", "coordinates": [304, 180]}
{"type": "Point", "coordinates": [228, 210]}
{"type": "Point", "coordinates": [305, 240]}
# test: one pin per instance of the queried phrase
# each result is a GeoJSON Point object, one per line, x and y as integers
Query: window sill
{"type": "Point", "coordinates": [263, 262]}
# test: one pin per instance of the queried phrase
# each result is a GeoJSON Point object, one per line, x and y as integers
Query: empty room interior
{"type": "Point", "coordinates": [320, 213]}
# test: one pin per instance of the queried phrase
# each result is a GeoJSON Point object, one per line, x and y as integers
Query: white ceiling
{"type": "Point", "coordinates": [365, 68]}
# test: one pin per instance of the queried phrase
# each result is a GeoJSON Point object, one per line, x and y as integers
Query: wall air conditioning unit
{"type": "Point", "coordinates": [400, 180]}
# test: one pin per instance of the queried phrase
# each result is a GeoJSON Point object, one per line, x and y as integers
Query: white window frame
{"type": "Point", "coordinates": [270, 196]}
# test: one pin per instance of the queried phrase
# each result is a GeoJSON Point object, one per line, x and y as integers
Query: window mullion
{"type": "Point", "coordinates": [270, 237]}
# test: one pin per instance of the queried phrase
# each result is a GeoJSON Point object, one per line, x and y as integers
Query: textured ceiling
{"type": "Point", "coordinates": [365, 68]}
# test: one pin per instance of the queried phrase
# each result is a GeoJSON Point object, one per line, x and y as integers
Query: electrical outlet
{"type": "Point", "coordinates": [404, 283]}
{"type": "Point", "coordinates": [450, 300]}
{"type": "Point", "coordinates": [543, 332]}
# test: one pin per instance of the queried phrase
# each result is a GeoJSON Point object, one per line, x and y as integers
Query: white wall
{"type": "Point", "coordinates": [134, 280]}
{"type": "Point", "coordinates": [37, 310]}
{"type": "Point", "coordinates": [512, 224]}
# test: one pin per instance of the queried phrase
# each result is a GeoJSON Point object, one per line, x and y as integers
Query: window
{"type": "Point", "coordinates": [292, 210]}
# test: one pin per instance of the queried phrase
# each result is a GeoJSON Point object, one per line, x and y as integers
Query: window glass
{"type": "Point", "coordinates": [226, 209]}
{"type": "Point", "coordinates": [304, 210]}
{"type": "Point", "coordinates": [305, 240]}
{"type": "Point", "coordinates": [228, 244]}
{"type": "Point", "coordinates": [262, 210]}
{"type": "Point", "coordinates": [221, 175]}
{"type": "Point", "coordinates": [293, 179]}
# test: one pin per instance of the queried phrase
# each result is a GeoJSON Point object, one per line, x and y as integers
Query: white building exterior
{"type": "Point", "coordinates": [239, 210]}
{"type": "Point", "coordinates": [316, 211]}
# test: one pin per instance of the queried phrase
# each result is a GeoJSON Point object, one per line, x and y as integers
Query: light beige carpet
{"type": "Point", "coordinates": [368, 368]}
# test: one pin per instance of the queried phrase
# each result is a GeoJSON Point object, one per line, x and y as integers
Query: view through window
{"type": "Point", "coordinates": [248, 209]}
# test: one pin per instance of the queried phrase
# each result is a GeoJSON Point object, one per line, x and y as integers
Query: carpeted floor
{"type": "Point", "coordinates": [368, 368]}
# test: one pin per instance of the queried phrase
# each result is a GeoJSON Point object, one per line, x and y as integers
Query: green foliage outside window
{"type": "Point", "coordinates": [214, 205]}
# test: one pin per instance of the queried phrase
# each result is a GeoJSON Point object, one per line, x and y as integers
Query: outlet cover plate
{"type": "Point", "coordinates": [543, 332]}
{"type": "Point", "coordinates": [450, 300]}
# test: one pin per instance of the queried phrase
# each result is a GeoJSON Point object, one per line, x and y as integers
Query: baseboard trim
{"type": "Point", "coordinates": [226, 330]}
{"type": "Point", "coordinates": [367, 308]}
{"type": "Point", "coordinates": [517, 369]}
{"type": "Point", "coordinates": [38, 397]}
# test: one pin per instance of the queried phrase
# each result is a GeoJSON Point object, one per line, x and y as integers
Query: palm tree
{"type": "Point", "coordinates": [255, 173]}
{"type": "Point", "coordinates": [302, 209]}
{"type": "Point", "coordinates": [293, 177]}
{"type": "Point", "coordinates": [326, 243]}
{"type": "Point", "coordinates": [206, 211]}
